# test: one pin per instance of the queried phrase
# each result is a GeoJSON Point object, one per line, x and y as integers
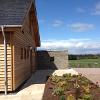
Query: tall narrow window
{"type": "Point", "coordinates": [21, 53]}
{"type": "Point", "coordinates": [24, 53]}
{"type": "Point", "coordinates": [51, 59]}
{"type": "Point", "coordinates": [27, 53]}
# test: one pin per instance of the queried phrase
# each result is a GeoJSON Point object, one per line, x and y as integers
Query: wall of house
{"type": "Point", "coordinates": [9, 63]}
{"type": "Point", "coordinates": [23, 66]}
{"type": "Point", "coordinates": [34, 64]}
{"type": "Point", "coordinates": [52, 59]}
{"type": "Point", "coordinates": [21, 60]}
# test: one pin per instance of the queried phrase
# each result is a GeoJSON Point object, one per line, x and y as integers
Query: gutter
{"type": "Point", "coordinates": [5, 54]}
{"type": "Point", "coordinates": [12, 26]}
{"type": "Point", "coordinates": [5, 59]}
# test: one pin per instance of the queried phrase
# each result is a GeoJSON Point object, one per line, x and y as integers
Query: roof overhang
{"type": "Point", "coordinates": [10, 27]}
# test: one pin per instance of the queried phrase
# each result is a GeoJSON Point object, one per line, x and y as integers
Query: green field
{"type": "Point", "coordinates": [85, 63]}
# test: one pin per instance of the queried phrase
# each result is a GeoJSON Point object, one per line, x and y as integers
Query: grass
{"type": "Point", "coordinates": [85, 63]}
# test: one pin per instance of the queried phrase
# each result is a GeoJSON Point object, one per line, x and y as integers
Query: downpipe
{"type": "Point", "coordinates": [5, 59]}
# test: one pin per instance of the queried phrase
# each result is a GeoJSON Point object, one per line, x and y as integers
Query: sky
{"type": "Point", "coordinates": [72, 25]}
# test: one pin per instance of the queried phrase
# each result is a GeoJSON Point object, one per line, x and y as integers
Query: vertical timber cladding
{"type": "Point", "coordinates": [9, 66]}
{"type": "Point", "coordinates": [34, 60]}
{"type": "Point", "coordinates": [22, 39]}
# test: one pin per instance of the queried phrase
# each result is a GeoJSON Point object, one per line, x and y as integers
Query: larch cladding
{"type": "Point", "coordinates": [9, 65]}
{"type": "Point", "coordinates": [22, 67]}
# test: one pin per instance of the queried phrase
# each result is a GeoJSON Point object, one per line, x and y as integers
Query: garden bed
{"type": "Point", "coordinates": [71, 87]}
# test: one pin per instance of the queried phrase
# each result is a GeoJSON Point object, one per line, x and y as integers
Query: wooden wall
{"type": "Point", "coordinates": [22, 38]}
{"type": "Point", "coordinates": [18, 70]}
{"type": "Point", "coordinates": [9, 65]}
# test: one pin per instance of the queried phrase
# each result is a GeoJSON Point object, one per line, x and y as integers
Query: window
{"type": "Point", "coordinates": [51, 59]}
{"type": "Point", "coordinates": [21, 53]}
{"type": "Point", "coordinates": [22, 31]}
{"type": "Point", "coordinates": [25, 53]}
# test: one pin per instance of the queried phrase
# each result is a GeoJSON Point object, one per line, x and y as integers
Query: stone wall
{"type": "Point", "coordinates": [52, 59]}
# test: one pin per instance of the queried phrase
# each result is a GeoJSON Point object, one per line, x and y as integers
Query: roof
{"type": "Point", "coordinates": [12, 12]}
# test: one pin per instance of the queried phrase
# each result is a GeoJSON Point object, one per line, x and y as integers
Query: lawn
{"type": "Point", "coordinates": [85, 63]}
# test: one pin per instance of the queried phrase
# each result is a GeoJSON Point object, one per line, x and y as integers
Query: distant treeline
{"type": "Point", "coordinates": [85, 56]}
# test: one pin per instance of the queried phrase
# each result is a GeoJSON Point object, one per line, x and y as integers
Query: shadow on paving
{"type": "Point", "coordinates": [39, 77]}
{"type": "Point", "coordinates": [45, 68]}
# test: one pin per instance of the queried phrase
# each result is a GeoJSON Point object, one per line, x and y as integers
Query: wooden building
{"type": "Point", "coordinates": [19, 38]}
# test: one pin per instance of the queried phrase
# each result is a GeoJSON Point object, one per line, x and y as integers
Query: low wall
{"type": "Point", "coordinates": [52, 59]}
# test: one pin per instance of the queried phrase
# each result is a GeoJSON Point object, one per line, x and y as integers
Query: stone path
{"type": "Point", "coordinates": [34, 88]}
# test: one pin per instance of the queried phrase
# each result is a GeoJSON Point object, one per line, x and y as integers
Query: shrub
{"type": "Point", "coordinates": [58, 91]}
{"type": "Point", "coordinates": [70, 97]}
{"type": "Point", "coordinates": [55, 78]}
{"type": "Point", "coordinates": [87, 97]}
{"type": "Point", "coordinates": [67, 76]}
{"type": "Point", "coordinates": [62, 98]}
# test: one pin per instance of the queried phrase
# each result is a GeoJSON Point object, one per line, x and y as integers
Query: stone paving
{"type": "Point", "coordinates": [34, 88]}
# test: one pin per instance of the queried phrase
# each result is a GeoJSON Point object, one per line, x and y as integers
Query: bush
{"type": "Point", "coordinates": [87, 97]}
{"type": "Point", "coordinates": [58, 91]}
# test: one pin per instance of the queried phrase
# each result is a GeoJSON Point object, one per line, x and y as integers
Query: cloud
{"type": "Point", "coordinates": [57, 23]}
{"type": "Point", "coordinates": [80, 10]}
{"type": "Point", "coordinates": [81, 27]}
{"type": "Point", "coordinates": [96, 10]}
{"type": "Point", "coordinates": [78, 46]}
